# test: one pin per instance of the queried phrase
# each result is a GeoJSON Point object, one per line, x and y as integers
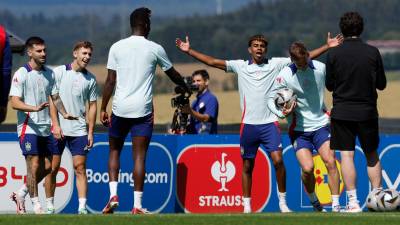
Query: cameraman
{"type": "Point", "coordinates": [204, 110]}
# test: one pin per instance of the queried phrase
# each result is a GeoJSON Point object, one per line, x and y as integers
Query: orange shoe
{"type": "Point", "coordinates": [112, 204]}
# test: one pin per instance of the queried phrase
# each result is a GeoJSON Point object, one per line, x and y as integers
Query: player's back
{"type": "Point", "coordinates": [135, 59]}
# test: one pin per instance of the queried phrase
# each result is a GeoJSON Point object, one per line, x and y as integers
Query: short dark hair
{"type": "Point", "coordinates": [258, 37]}
{"type": "Point", "coordinates": [140, 17]}
{"type": "Point", "coordinates": [83, 44]}
{"type": "Point", "coordinates": [203, 73]}
{"type": "Point", "coordinates": [298, 50]}
{"type": "Point", "coordinates": [351, 24]}
{"type": "Point", "coordinates": [33, 41]}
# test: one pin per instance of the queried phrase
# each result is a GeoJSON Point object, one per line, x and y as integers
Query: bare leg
{"type": "Point", "coordinates": [280, 170]}
{"type": "Point", "coordinates": [32, 168]}
{"type": "Point", "coordinates": [328, 156]}
{"type": "Point", "coordinates": [51, 178]}
{"type": "Point", "coordinates": [140, 146]}
{"type": "Point", "coordinates": [116, 145]}
{"type": "Point", "coordinates": [348, 169]}
{"type": "Point", "coordinates": [248, 166]}
{"type": "Point", "coordinates": [304, 157]}
{"type": "Point", "coordinates": [80, 171]}
{"type": "Point", "coordinates": [374, 169]}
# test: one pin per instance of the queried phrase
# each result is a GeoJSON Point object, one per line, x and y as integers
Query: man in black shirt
{"type": "Point", "coordinates": [354, 70]}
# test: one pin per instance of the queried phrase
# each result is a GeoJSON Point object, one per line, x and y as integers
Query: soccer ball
{"type": "Point", "coordinates": [372, 200]}
{"type": "Point", "coordinates": [388, 200]}
{"type": "Point", "coordinates": [284, 95]}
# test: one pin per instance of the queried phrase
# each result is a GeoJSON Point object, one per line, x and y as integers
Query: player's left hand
{"type": "Point", "coordinates": [333, 42]}
{"type": "Point", "coordinates": [90, 142]}
{"type": "Point", "coordinates": [68, 116]}
{"type": "Point", "coordinates": [183, 46]}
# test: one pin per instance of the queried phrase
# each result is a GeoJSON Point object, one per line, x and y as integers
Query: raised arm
{"type": "Point", "coordinates": [330, 43]}
{"type": "Point", "coordinates": [206, 59]}
{"type": "Point", "coordinates": [109, 86]}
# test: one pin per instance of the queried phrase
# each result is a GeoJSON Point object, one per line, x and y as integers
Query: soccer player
{"type": "Point", "coordinates": [131, 67]}
{"type": "Point", "coordinates": [77, 86]}
{"type": "Point", "coordinates": [32, 87]}
{"type": "Point", "coordinates": [354, 71]}
{"type": "Point", "coordinates": [309, 121]}
{"type": "Point", "coordinates": [259, 125]}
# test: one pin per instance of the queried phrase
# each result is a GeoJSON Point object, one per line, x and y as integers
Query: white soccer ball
{"type": "Point", "coordinates": [372, 200]}
{"type": "Point", "coordinates": [388, 200]}
{"type": "Point", "coordinates": [284, 96]}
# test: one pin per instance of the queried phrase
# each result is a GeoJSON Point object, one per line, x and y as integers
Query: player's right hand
{"type": "Point", "coordinates": [105, 119]}
{"type": "Point", "coordinates": [183, 46]}
{"type": "Point", "coordinates": [289, 109]}
{"type": "Point", "coordinates": [57, 132]}
{"type": "Point", "coordinates": [41, 106]}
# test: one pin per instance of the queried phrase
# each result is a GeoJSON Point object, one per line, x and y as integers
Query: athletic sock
{"type": "Point", "coordinates": [137, 203]}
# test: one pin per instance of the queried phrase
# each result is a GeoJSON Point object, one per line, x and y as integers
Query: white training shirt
{"type": "Point", "coordinates": [134, 59]}
{"type": "Point", "coordinates": [34, 88]}
{"type": "Point", "coordinates": [75, 89]}
{"type": "Point", "coordinates": [255, 84]}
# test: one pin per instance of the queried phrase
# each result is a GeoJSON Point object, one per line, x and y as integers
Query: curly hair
{"type": "Point", "coordinates": [351, 24]}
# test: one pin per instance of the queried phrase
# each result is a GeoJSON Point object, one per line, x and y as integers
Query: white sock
{"type": "Point", "coordinates": [312, 196]}
{"type": "Point", "coordinates": [50, 202]}
{"type": "Point", "coordinates": [82, 203]}
{"type": "Point", "coordinates": [378, 188]}
{"type": "Point", "coordinates": [35, 201]}
{"type": "Point", "coordinates": [113, 188]}
{"type": "Point", "coordinates": [352, 195]}
{"type": "Point", "coordinates": [137, 195]}
{"type": "Point", "coordinates": [247, 203]}
{"type": "Point", "coordinates": [335, 200]}
{"type": "Point", "coordinates": [23, 191]}
{"type": "Point", "coordinates": [282, 197]}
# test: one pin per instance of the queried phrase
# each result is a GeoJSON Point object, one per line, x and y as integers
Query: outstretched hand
{"type": "Point", "coordinates": [183, 46]}
{"type": "Point", "coordinates": [333, 42]}
{"type": "Point", "coordinates": [41, 106]}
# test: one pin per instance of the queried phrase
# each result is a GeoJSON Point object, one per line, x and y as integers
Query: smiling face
{"type": "Point", "coordinates": [200, 82]}
{"type": "Point", "coordinates": [257, 50]}
{"type": "Point", "coordinates": [82, 57]}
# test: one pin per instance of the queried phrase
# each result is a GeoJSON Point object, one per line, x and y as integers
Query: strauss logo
{"type": "Point", "coordinates": [223, 172]}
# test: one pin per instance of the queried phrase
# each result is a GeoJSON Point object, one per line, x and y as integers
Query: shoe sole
{"type": "Point", "coordinates": [110, 209]}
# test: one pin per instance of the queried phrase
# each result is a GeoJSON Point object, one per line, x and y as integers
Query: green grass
{"type": "Point", "coordinates": [208, 219]}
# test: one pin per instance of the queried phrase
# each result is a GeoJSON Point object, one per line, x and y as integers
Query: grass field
{"type": "Point", "coordinates": [210, 219]}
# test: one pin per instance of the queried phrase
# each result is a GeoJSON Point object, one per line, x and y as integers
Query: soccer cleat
{"type": "Point", "coordinates": [353, 208]}
{"type": "Point", "coordinates": [82, 211]}
{"type": "Point", "coordinates": [20, 202]}
{"type": "Point", "coordinates": [112, 204]}
{"type": "Point", "coordinates": [317, 206]}
{"type": "Point", "coordinates": [140, 211]}
{"type": "Point", "coordinates": [284, 208]}
{"type": "Point", "coordinates": [336, 208]}
{"type": "Point", "coordinates": [50, 210]}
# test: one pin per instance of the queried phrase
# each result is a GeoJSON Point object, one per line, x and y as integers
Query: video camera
{"type": "Point", "coordinates": [180, 119]}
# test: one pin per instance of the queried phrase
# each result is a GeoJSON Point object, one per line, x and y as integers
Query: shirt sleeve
{"type": "Point", "coordinates": [17, 84]}
{"type": "Point", "coordinates": [6, 72]}
{"type": "Point", "coordinates": [233, 66]}
{"type": "Point", "coordinates": [380, 73]}
{"type": "Point", "coordinates": [162, 59]}
{"type": "Point", "coordinates": [93, 90]}
{"type": "Point", "coordinates": [53, 85]}
{"type": "Point", "coordinates": [281, 62]}
{"type": "Point", "coordinates": [279, 83]}
{"type": "Point", "coordinates": [329, 73]}
{"type": "Point", "coordinates": [212, 108]}
{"type": "Point", "coordinates": [112, 60]}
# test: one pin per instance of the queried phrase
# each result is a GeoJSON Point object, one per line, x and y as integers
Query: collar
{"type": "Point", "coordinates": [202, 94]}
{"type": "Point", "coordinates": [264, 61]}
{"type": "Point", "coordinates": [355, 38]}
{"type": "Point", "coordinates": [293, 66]}
{"type": "Point", "coordinates": [69, 67]}
{"type": "Point", "coordinates": [29, 68]}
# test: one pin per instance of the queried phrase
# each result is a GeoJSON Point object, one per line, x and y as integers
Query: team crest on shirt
{"type": "Point", "coordinates": [201, 105]}
{"type": "Point", "coordinates": [28, 146]}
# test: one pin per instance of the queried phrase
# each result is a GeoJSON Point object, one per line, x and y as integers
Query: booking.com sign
{"type": "Point", "coordinates": [158, 178]}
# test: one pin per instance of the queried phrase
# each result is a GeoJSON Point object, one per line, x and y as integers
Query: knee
{"type": "Point", "coordinates": [278, 163]}
{"type": "Point", "coordinates": [247, 169]}
{"type": "Point", "coordinates": [308, 170]}
{"type": "Point", "coordinates": [331, 164]}
{"type": "Point", "coordinates": [80, 170]}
